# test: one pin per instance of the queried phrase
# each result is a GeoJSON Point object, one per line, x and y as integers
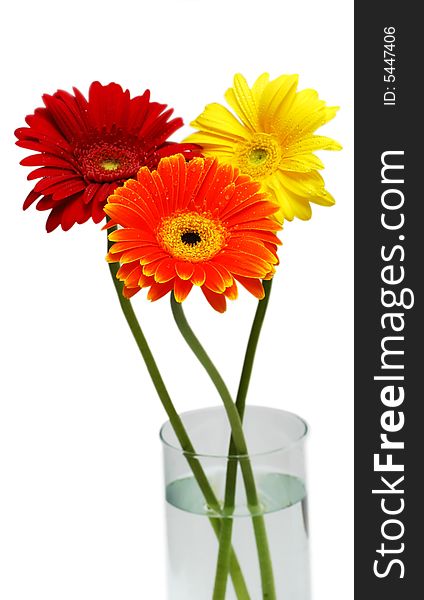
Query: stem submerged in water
{"type": "Point", "coordinates": [224, 552]}
{"type": "Point", "coordinates": [265, 564]}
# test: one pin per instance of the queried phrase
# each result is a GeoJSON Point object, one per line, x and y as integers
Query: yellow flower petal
{"type": "Point", "coordinates": [325, 199]}
{"type": "Point", "coordinates": [303, 184]}
{"type": "Point", "coordinates": [212, 140]}
{"type": "Point", "coordinates": [301, 207]}
{"type": "Point", "coordinates": [276, 101]}
{"type": "Point", "coordinates": [309, 186]}
{"type": "Point", "coordinates": [293, 205]}
{"type": "Point", "coordinates": [259, 87]}
{"type": "Point", "coordinates": [311, 144]}
{"type": "Point", "coordinates": [302, 163]}
{"type": "Point", "coordinates": [282, 197]}
{"type": "Point", "coordinates": [219, 119]}
{"type": "Point", "coordinates": [307, 114]}
{"type": "Point", "coordinates": [241, 99]}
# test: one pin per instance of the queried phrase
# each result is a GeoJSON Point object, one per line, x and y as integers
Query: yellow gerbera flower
{"type": "Point", "coordinates": [273, 140]}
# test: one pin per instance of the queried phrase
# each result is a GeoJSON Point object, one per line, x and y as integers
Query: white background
{"type": "Point", "coordinates": [81, 509]}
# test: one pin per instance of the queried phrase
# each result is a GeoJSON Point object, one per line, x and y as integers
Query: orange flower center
{"type": "Point", "coordinates": [192, 236]}
{"type": "Point", "coordinates": [260, 156]}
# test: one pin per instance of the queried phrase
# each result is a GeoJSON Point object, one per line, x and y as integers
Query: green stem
{"type": "Point", "coordinates": [224, 552]}
{"type": "Point", "coordinates": [178, 426]}
{"type": "Point", "coordinates": [265, 565]}
{"type": "Point", "coordinates": [252, 345]}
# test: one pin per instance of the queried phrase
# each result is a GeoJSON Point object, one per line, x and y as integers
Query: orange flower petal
{"type": "Point", "coordinates": [136, 254]}
{"type": "Point", "coordinates": [133, 196]}
{"type": "Point", "coordinates": [126, 235]}
{"type": "Point", "coordinates": [252, 213]}
{"type": "Point", "coordinates": [254, 286]}
{"type": "Point", "coordinates": [233, 208]}
{"type": "Point", "coordinates": [165, 173]}
{"type": "Point", "coordinates": [132, 279]}
{"type": "Point", "coordinates": [195, 175]}
{"type": "Point", "coordinates": [182, 289]}
{"type": "Point", "coordinates": [145, 281]}
{"type": "Point", "coordinates": [264, 236]}
{"type": "Point", "coordinates": [242, 178]}
{"type": "Point", "coordinates": [178, 166]}
{"type": "Point", "coordinates": [244, 264]}
{"type": "Point", "coordinates": [152, 254]}
{"type": "Point", "coordinates": [222, 188]}
{"type": "Point", "coordinates": [214, 279]}
{"type": "Point", "coordinates": [263, 224]}
{"type": "Point", "coordinates": [253, 247]}
{"type": "Point", "coordinates": [158, 290]}
{"type": "Point", "coordinates": [224, 272]}
{"type": "Point", "coordinates": [243, 192]}
{"type": "Point", "coordinates": [232, 292]}
{"type": "Point", "coordinates": [151, 268]}
{"type": "Point", "coordinates": [217, 301]}
{"type": "Point", "coordinates": [209, 174]}
{"type": "Point", "coordinates": [165, 271]}
{"type": "Point", "coordinates": [124, 246]}
{"type": "Point", "coordinates": [184, 269]}
{"type": "Point", "coordinates": [124, 271]}
{"type": "Point", "coordinates": [125, 216]}
{"type": "Point", "coordinates": [142, 191]}
{"type": "Point", "coordinates": [146, 179]}
{"type": "Point", "coordinates": [199, 275]}
{"type": "Point", "coordinates": [129, 292]}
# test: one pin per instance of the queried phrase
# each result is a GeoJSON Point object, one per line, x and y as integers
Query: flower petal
{"type": "Point", "coordinates": [182, 289]}
{"type": "Point", "coordinates": [254, 286]}
{"type": "Point", "coordinates": [217, 301]}
{"type": "Point", "coordinates": [158, 290]}
{"type": "Point", "coordinates": [184, 269]}
{"type": "Point", "coordinates": [165, 270]}
{"type": "Point", "coordinates": [199, 275]}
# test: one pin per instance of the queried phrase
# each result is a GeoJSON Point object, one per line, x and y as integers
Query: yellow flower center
{"type": "Point", "coordinates": [259, 157]}
{"type": "Point", "coordinates": [110, 164]}
{"type": "Point", "coordinates": [192, 236]}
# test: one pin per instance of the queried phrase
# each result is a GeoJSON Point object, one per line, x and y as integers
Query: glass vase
{"type": "Point", "coordinates": [275, 441]}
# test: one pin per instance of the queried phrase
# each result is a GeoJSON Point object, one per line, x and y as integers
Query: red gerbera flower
{"type": "Point", "coordinates": [85, 148]}
{"type": "Point", "coordinates": [199, 223]}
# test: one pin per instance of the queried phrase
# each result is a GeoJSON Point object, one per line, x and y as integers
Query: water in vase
{"type": "Point", "coordinates": [193, 546]}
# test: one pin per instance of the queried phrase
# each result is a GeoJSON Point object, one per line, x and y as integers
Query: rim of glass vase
{"type": "Point", "coordinates": [287, 447]}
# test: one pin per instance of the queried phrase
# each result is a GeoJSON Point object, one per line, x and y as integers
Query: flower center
{"type": "Point", "coordinates": [110, 158]}
{"type": "Point", "coordinates": [110, 164]}
{"type": "Point", "coordinates": [260, 156]}
{"type": "Point", "coordinates": [191, 236]}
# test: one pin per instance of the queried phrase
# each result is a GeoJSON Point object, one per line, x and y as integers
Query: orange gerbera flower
{"type": "Point", "coordinates": [198, 223]}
